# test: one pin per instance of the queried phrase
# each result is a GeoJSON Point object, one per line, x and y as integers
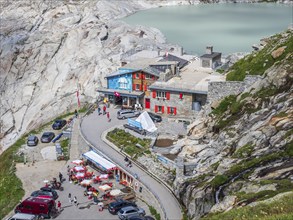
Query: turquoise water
{"type": "Point", "coordinates": [228, 27]}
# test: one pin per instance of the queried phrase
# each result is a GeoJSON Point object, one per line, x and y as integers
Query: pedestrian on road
{"type": "Point", "coordinates": [60, 177]}
{"type": "Point", "coordinates": [108, 116]}
{"type": "Point", "coordinates": [135, 176]}
{"type": "Point", "coordinates": [104, 109]}
{"type": "Point", "coordinates": [99, 110]}
{"type": "Point", "coordinates": [75, 201]}
{"type": "Point", "coordinates": [69, 198]}
{"type": "Point", "coordinates": [76, 113]}
{"type": "Point", "coordinates": [59, 206]}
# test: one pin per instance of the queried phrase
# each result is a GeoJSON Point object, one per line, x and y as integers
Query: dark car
{"type": "Point", "coordinates": [32, 140]}
{"type": "Point", "coordinates": [154, 117]}
{"type": "Point", "coordinates": [136, 129]}
{"type": "Point", "coordinates": [45, 194]}
{"type": "Point", "coordinates": [58, 124]}
{"type": "Point", "coordinates": [114, 207]}
{"type": "Point", "coordinates": [47, 137]}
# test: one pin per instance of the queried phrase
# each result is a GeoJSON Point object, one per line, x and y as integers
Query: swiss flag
{"type": "Point", "coordinates": [116, 94]}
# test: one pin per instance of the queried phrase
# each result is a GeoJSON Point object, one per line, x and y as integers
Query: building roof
{"type": "Point", "coordinates": [140, 63]}
{"type": "Point", "coordinates": [211, 56]}
{"type": "Point", "coordinates": [121, 92]}
{"type": "Point", "coordinates": [171, 57]}
{"type": "Point", "coordinates": [152, 71]}
{"type": "Point", "coordinates": [120, 71]}
{"type": "Point", "coordinates": [193, 79]}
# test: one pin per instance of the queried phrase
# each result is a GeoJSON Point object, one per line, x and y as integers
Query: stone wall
{"type": "Point", "coordinates": [219, 90]}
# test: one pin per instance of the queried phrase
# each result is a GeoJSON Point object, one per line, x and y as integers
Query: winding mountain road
{"type": "Point", "coordinates": [92, 128]}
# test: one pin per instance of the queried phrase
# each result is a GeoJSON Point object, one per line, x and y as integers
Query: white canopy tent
{"type": "Point", "coordinates": [146, 122]}
{"type": "Point", "coordinates": [99, 161]}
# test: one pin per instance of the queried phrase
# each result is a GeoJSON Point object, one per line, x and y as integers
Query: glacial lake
{"type": "Point", "coordinates": [228, 27]}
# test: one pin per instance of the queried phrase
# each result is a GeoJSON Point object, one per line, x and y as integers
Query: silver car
{"type": "Point", "coordinates": [130, 211]}
{"type": "Point", "coordinates": [127, 113]}
{"type": "Point", "coordinates": [23, 216]}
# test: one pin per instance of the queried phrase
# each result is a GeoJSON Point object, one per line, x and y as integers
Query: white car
{"type": "Point", "coordinates": [23, 216]}
{"type": "Point", "coordinates": [130, 211]}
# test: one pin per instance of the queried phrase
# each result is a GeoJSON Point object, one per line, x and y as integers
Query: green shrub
{"type": "Point", "coordinates": [219, 180]}
{"type": "Point", "coordinates": [244, 151]}
{"type": "Point", "coordinates": [224, 105]}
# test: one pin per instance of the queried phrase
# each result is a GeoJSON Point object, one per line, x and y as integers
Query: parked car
{"type": "Point", "coordinates": [38, 206]}
{"type": "Point", "coordinates": [114, 207]}
{"type": "Point", "coordinates": [23, 216]}
{"type": "Point", "coordinates": [130, 211]}
{"type": "Point", "coordinates": [45, 194]}
{"type": "Point", "coordinates": [32, 140]}
{"type": "Point", "coordinates": [47, 137]}
{"type": "Point", "coordinates": [154, 117]}
{"type": "Point", "coordinates": [136, 129]}
{"type": "Point", "coordinates": [127, 113]}
{"type": "Point", "coordinates": [141, 218]}
{"type": "Point", "coordinates": [58, 124]}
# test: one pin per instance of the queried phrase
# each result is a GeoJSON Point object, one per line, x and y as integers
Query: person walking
{"type": "Point", "coordinates": [69, 198]}
{"type": "Point", "coordinates": [75, 201]}
{"type": "Point", "coordinates": [104, 109]}
{"type": "Point", "coordinates": [76, 113]}
{"type": "Point", "coordinates": [108, 116]}
{"type": "Point", "coordinates": [59, 206]}
{"type": "Point", "coordinates": [99, 110]}
{"type": "Point", "coordinates": [60, 177]}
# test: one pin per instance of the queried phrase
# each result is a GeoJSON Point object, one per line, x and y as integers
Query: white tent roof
{"type": "Point", "coordinates": [146, 122]}
{"type": "Point", "coordinates": [99, 161]}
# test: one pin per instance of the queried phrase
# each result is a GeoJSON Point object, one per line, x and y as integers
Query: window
{"type": "Point", "coordinates": [123, 85]}
{"type": "Point", "coordinates": [159, 108]}
{"type": "Point", "coordinates": [137, 75]}
{"type": "Point", "coordinates": [171, 110]}
{"type": "Point", "coordinates": [161, 94]}
{"type": "Point", "coordinates": [137, 87]}
{"type": "Point", "coordinates": [147, 76]}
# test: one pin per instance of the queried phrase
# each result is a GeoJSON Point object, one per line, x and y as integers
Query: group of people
{"type": "Point", "coordinates": [127, 162]}
{"type": "Point", "coordinates": [74, 200]}
{"type": "Point", "coordinates": [104, 112]}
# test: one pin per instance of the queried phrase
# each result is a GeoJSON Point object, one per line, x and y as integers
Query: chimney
{"type": "Point", "coordinates": [159, 52]}
{"type": "Point", "coordinates": [209, 50]}
{"type": "Point", "coordinates": [181, 51]}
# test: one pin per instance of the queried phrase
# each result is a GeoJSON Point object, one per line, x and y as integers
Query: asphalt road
{"type": "Point", "coordinates": [93, 126]}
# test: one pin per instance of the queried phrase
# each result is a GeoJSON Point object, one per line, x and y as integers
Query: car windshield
{"type": "Point", "coordinates": [121, 211]}
{"type": "Point", "coordinates": [31, 138]}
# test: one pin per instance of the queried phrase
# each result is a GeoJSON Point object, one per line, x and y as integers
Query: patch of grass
{"type": "Point", "coordinates": [244, 151]}
{"type": "Point", "coordinates": [277, 210]}
{"type": "Point", "coordinates": [224, 105]}
{"type": "Point", "coordinates": [154, 213]}
{"type": "Point", "coordinates": [258, 62]}
{"type": "Point", "coordinates": [218, 181]}
{"type": "Point", "coordinates": [288, 133]}
{"type": "Point", "coordinates": [11, 191]}
{"type": "Point", "coordinates": [214, 166]}
{"type": "Point", "coordinates": [65, 148]}
{"type": "Point", "coordinates": [128, 142]}
{"type": "Point", "coordinates": [282, 115]}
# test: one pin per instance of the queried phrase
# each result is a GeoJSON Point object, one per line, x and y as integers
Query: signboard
{"type": "Point", "coordinates": [134, 123]}
{"type": "Point", "coordinates": [162, 159]}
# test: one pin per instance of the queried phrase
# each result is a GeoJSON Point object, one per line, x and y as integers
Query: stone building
{"type": "Point", "coordinates": [210, 59]}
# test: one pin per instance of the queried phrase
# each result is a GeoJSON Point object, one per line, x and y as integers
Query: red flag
{"type": "Point", "coordinates": [78, 101]}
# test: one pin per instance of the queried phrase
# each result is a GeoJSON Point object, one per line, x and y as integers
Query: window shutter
{"type": "Point", "coordinates": [175, 112]}
{"type": "Point", "coordinates": [143, 75]}
{"type": "Point", "coordinates": [145, 87]}
{"type": "Point", "coordinates": [133, 87]}
{"type": "Point", "coordinates": [156, 108]}
{"type": "Point", "coordinates": [180, 96]}
{"type": "Point", "coordinates": [168, 110]}
{"type": "Point", "coordinates": [140, 87]}
{"type": "Point", "coordinates": [168, 95]}
{"type": "Point", "coordinates": [162, 109]}
{"type": "Point", "coordinates": [133, 75]}
{"type": "Point", "coordinates": [154, 93]}
{"type": "Point", "coordinates": [153, 77]}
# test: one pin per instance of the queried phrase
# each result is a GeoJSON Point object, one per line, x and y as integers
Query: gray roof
{"type": "Point", "coordinates": [152, 70]}
{"type": "Point", "coordinates": [121, 92]}
{"type": "Point", "coordinates": [211, 56]}
{"type": "Point", "coordinates": [187, 90]}
{"type": "Point", "coordinates": [120, 71]}
{"type": "Point", "coordinates": [171, 57]}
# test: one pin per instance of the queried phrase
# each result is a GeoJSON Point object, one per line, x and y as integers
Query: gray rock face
{"type": "Point", "coordinates": [49, 50]}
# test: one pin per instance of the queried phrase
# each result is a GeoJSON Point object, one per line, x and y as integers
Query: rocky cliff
{"type": "Point", "coordinates": [243, 148]}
